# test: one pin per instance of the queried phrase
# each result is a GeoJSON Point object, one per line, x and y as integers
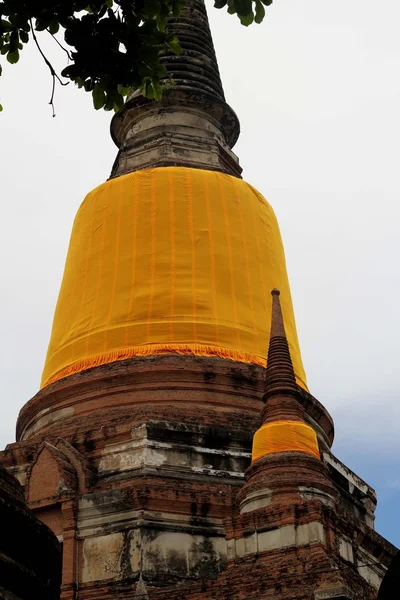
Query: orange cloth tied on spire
{"type": "Point", "coordinates": [170, 260]}
{"type": "Point", "coordinates": [285, 436]}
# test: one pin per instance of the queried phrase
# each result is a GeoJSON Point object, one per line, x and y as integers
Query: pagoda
{"type": "Point", "coordinates": [174, 447]}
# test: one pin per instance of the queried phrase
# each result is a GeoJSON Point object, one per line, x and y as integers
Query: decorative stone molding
{"type": "Point", "coordinates": [176, 131]}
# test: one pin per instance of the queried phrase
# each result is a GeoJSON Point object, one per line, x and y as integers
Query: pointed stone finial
{"type": "Point", "coordinates": [277, 326]}
{"type": "Point", "coordinates": [141, 590]}
{"type": "Point", "coordinates": [280, 373]}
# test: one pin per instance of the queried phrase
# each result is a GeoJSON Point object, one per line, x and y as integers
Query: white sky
{"type": "Point", "coordinates": [317, 91]}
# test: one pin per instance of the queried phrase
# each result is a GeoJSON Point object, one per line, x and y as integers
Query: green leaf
{"type": "Point", "coordinates": [157, 90]}
{"type": "Point", "coordinates": [160, 71]}
{"type": "Point", "coordinates": [267, 2]}
{"type": "Point", "coordinates": [220, 3]}
{"type": "Point", "coordinates": [243, 7]}
{"type": "Point", "coordinates": [143, 69]}
{"type": "Point", "coordinates": [1, 70]}
{"type": "Point", "coordinates": [161, 22]}
{"type": "Point", "coordinates": [174, 45]}
{"type": "Point", "coordinates": [260, 12]}
{"type": "Point", "coordinates": [54, 27]}
{"type": "Point", "coordinates": [152, 8]}
{"type": "Point", "coordinates": [41, 24]}
{"type": "Point", "coordinates": [5, 25]}
{"type": "Point", "coordinates": [99, 97]}
{"type": "Point", "coordinates": [88, 85]}
{"type": "Point", "coordinates": [13, 57]}
{"type": "Point", "coordinates": [177, 6]}
{"type": "Point", "coordinates": [1, 108]}
{"type": "Point", "coordinates": [24, 36]}
{"type": "Point", "coordinates": [14, 41]}
{"type": "Point", "coordinates": [109, 105]}
{"type": "Point", "coordinates": [118, 100]}
{"type": "Point", "coordinates": [146, 89]}
{"type": "Point", "coordinates": [247, 19]}
{"type": "Point", "coordinates": [149, 92]}
{"type": "Point", "coordinates": [124, 91]}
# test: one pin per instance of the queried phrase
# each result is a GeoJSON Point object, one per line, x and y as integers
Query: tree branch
{"type": "Point", "coordinates": [59, 44]}
{"type": "Point", "coordinates": [54, 75]}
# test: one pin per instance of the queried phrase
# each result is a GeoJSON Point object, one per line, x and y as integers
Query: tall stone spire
{"type": "Point", "coordinates": [279, 371]}
{"type": "Point", "coordinates": [192, 126]}
{"type": "Point", "coordinates": [281, 394]}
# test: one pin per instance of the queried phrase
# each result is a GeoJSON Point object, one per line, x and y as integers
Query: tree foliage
{"type": "Point", "coordinates": [112, 45]}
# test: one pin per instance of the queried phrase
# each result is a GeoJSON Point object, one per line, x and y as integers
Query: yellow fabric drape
{"type": "Point", "coordinates": [170, 260]}
{"type": "Point", "coordinates": [285, 436]}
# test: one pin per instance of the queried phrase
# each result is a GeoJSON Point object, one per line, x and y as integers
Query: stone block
{"type": "Point", "coordinates": [101, 557]}
{"type": "Point", "coordinates": [231, 551]}
{"type": "Point", "coordinates": [250, 544]}
{"type": "Point", "coordinates": [346, 550]}
{"type": "Point", "coordinates": [333, 593]}
{"type": "Point", "coordinates": [240, 547]}
{"type": "Point", "coordinates": [275, 539]}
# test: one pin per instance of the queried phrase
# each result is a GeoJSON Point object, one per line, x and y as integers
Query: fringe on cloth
{"type": "Point", "coordinates": [153, 350]}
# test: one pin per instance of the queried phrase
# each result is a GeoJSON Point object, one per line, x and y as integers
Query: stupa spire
{"type": "Point", "coordinates": [281, 394]}
{"type": "Point", "coordinates": [196, 69]}
{"type": "Point", "coordinates": [280, 372]}
{"type": "Point", "coordinates": [285, 453]}
{"type": "Point", "coordinates": [192, 126]}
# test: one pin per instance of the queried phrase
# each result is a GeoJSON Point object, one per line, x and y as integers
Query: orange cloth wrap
{"type": "Point", "coordinates": [170, 260]}
{"type": "Point", "coordinates": [285, 436]}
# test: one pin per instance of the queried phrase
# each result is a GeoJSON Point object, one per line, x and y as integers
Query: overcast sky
{"type": "Point", "coordinates": [317, 91]}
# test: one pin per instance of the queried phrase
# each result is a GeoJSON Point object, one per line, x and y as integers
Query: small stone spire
{"type": "Point", "coordinates": [281, 394]}
{"type": "Point", "coordinates": [285, 455]}
{"type": "Point", "coordinates": [141, 590]}
{"type": "Point", "coordinates": [192, 125]}
{"type": "Point", "coordinates": [280, 372]}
